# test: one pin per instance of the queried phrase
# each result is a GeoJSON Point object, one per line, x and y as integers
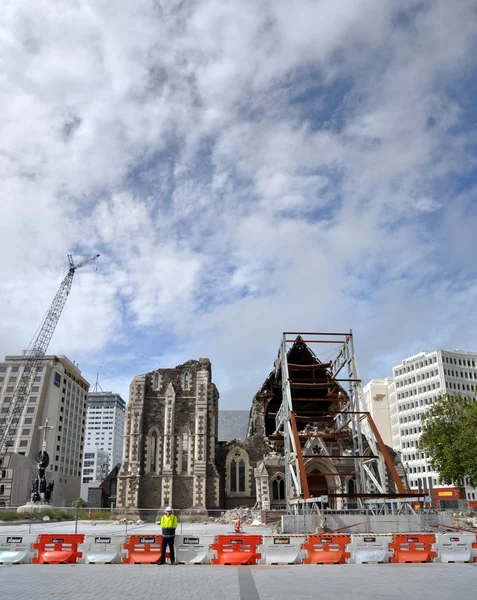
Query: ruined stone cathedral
{"type": "Point", "coordinates": [173, 455]}
{"type": "Point", "coordinates": [170, 438]}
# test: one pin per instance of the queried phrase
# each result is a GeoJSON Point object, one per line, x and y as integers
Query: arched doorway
{"type": "Point", "coordinates": [317, 484]}
{"type": "Point", "coordinates": [323, 480]}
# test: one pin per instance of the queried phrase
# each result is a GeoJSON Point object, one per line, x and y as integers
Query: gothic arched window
{"type": "Point", "coordinates": [278, 488]}
{"type": "Point", "coordinates": [157, 381]}
{"type": "Point", "coordinates": [186, 380]}
{"type": "Point", "coordinates": [153, 451]}
{"type": "Point", "coordinates": [185, 443]}
{"type": "Point", "coordinates": [233, 476]}
{"type": "Point", "coordinates": [237, 471]}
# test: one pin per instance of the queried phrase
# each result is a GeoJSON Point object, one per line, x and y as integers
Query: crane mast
{"type": "Point", "coordinates": [34, 357]}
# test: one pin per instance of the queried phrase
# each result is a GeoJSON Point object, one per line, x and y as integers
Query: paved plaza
{"type": "Point", "coordinates": [207, 582]}
{"type": "Point", "coordinates": [260, 582]}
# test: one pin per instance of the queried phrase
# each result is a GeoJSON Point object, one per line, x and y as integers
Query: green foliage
{"type": "Point", "coordinates": [449, 438]}
{"type": "Point", "coordinates": [11, 515]}
{"type": "Point", "coordinates": [80, 503]}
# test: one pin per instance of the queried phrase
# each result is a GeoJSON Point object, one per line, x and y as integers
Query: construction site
{"type": "Point", "coordinates": [312, 481]}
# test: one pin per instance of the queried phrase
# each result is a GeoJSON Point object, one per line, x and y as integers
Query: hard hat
{"type": "Point", "coordinates": [168, 509]}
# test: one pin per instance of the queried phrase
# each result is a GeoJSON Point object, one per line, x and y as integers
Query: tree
{"type": "Point", "coordinates": [449, 438]}
{"type": "Point", "coordinates": [80, 503]}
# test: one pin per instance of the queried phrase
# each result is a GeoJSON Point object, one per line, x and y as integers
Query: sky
{"type": "Point", "coordinates": [244, 168]}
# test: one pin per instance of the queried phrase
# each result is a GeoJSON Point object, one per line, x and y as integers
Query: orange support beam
{"type": "Point", "coordinates": [299, 455]}
{"type": "Point", "coordinates": [387, 458]}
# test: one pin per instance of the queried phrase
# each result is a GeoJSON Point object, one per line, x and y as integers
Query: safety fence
{"type": "Point", "coordinates": [240, 549]}
{"type": "Point", "coordinates": [118, 521]}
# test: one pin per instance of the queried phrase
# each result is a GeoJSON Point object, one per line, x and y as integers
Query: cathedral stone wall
{"type": "Point", "coordinates": [170, 440]}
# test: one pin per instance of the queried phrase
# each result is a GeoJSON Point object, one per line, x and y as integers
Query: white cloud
{"type": "Point", "coordinates": [243, 168]}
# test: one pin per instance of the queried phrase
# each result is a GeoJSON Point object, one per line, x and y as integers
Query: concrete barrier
{"type": "Point", "coordinates": [102, 549]}
{"type": "Point", "coordinates": [454, 547]}
{"type": "Point", "coordinates": [16, 549]}
{"type": "Point", "coordinates": [281, 549]}
{"type": "Point", "coordinates": [369, 548]}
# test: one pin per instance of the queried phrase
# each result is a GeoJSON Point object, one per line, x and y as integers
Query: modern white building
{"type": "Point", "coordinates": [59, 396]}
{"type": "Point", "coordinates": [105, 418]}
{"type": "Point", "coordinates": [418, 381]}
{"type": "Point", "coordinates": [376, 402]}
{"type": "Point", "coordinates": [95, 469]}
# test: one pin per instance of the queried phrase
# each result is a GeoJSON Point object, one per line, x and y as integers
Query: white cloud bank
{"type": "Point", "coordinates": [244, 168]}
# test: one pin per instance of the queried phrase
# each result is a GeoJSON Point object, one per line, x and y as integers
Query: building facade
{"type": "Point", "coordinates": [105, 420]}
{"type": "Point", "coordinates": [59, 396]}
{"type": "Point", "coordinates": [170, 439]}
{"type": "Point", "coordinates": [418, 381]}
{"type": "Point", "coordinates": [95, 468]}
{"type": "Point", "coordinates": [376, 402]}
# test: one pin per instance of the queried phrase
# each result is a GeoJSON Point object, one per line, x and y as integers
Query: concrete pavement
{"type": "Point", "coordinates": [299, 582]}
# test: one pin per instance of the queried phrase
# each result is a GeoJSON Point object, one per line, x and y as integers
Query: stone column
{"type": "Point", "coordinates": [168, 453]}
{"type": "Point", "coordinates": [200, 450]}
{"type": "Point", "coordinates": [132, 468]}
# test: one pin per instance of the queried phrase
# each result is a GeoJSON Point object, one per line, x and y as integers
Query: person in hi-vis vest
{"type": "Point", "coordinates": [168, 525]}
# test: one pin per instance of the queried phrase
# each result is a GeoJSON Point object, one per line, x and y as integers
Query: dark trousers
{"type": "Point", "coordinates": [167, 541]}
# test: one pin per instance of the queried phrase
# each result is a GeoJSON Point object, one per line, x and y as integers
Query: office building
{"type": "Point", "coordinates": [95, 469]}
{"type": "Point", "coordinates": [418, 381]}
{"type": "Point", "coordinates": [105, 418]}
{"type": "Point", "coordinates": [376, 402]}
{"type": "Point", "coordinates": [59, 396]}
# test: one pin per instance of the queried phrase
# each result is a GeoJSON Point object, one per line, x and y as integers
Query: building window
{"type": "Point", "coordinates": [30, 410]}
{"type": "Point", "coordinates": [157, 381]}
{"type": "Point", "coordinates": [186, 380]}
{"type": "Point", "coordinates": [237, 471]}
{"type": "Point", "coordinates": [278, 488]}
{"type": "Point", "coordinates": [185, 450]}
{"type": "Point", "coordinates": [153, 451]}
{"type": "Point", "coordinates": [233, 476]}
{"type": "Point", "coordinates": [26, 432]}
{"type": "Point", "coordinates": [23, 443]}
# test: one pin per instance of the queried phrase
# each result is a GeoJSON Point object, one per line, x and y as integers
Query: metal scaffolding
{"type": "Point", "coordinates": [323, 401]}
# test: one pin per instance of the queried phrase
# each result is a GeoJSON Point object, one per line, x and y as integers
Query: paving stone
{"type": "Point", "coordinates": [210, 582]}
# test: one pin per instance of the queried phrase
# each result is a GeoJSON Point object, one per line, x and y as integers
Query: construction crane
{"type": "Point", "coordinates": [33, 358]}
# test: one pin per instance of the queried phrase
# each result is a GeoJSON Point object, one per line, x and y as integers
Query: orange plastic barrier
{"type": "Point", "coordinates": [143, 549]}
{"type": "Point", "coordinates": [326, 549]}
{"type": "Point", "coordinates": [57, 549]}
{"type": "Point", "coordinates": [413, 548]}
{"type": "Point", "coordinates": [474, 551]}
{"type": "Point", "coordinates": [236, 549]}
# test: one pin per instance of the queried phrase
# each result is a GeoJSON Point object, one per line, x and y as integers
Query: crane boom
{"type": "Point", "coordinates": [33, 358]}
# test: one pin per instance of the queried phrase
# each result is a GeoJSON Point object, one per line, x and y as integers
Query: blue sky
{"type": "Point", "coordinates": [244, 168]}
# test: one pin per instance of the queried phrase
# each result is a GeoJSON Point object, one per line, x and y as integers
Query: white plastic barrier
{"type": "Point", "coordinates": [369, 548]}
{"type": "Point", "coordinates": [454, 547]}
{"type": "Point", "coordinates": [16, 549]}
{"type": "Point", "coordinates": [102, 549]}
{"type": "Point", "coordinates": [194, 549]}
{"type": "Point", "coordinates": [281, 549]}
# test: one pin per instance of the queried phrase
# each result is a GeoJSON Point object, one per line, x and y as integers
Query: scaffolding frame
{"type": "Point", "coordinates": [350, 420]}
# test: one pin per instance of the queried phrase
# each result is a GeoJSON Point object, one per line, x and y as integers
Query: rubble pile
{"type": "Point", "coordinates": [126, 522]}
{"type": "Point", "coordinates": [248, 516]}
{"type": "Point", "coordinates": [468, 520]}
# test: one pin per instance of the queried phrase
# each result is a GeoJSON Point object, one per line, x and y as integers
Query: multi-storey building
{"type": "Point", "coordinates": [95, 468]}
{"type": "Point", "coordinates": [59, 396]}
{"type": "Point", "coordinates": [376, 402]}
{"type": "Point", "coordinates": [418, 381]}
{"type": "Point", "coordinates": [105, 418]}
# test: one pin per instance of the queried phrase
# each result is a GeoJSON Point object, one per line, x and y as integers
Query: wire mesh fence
{"type": "Point", "coordinates": [129, 521]}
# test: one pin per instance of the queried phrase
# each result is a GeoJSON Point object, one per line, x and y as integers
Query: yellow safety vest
{"type": "Point", "coordinates": [169, 521]}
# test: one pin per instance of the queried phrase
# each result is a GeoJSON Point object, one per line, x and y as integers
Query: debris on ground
{"type": "Point", "coordinates": [248, 516]}
{"type": "Point", "coordinates": [127, 522]}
